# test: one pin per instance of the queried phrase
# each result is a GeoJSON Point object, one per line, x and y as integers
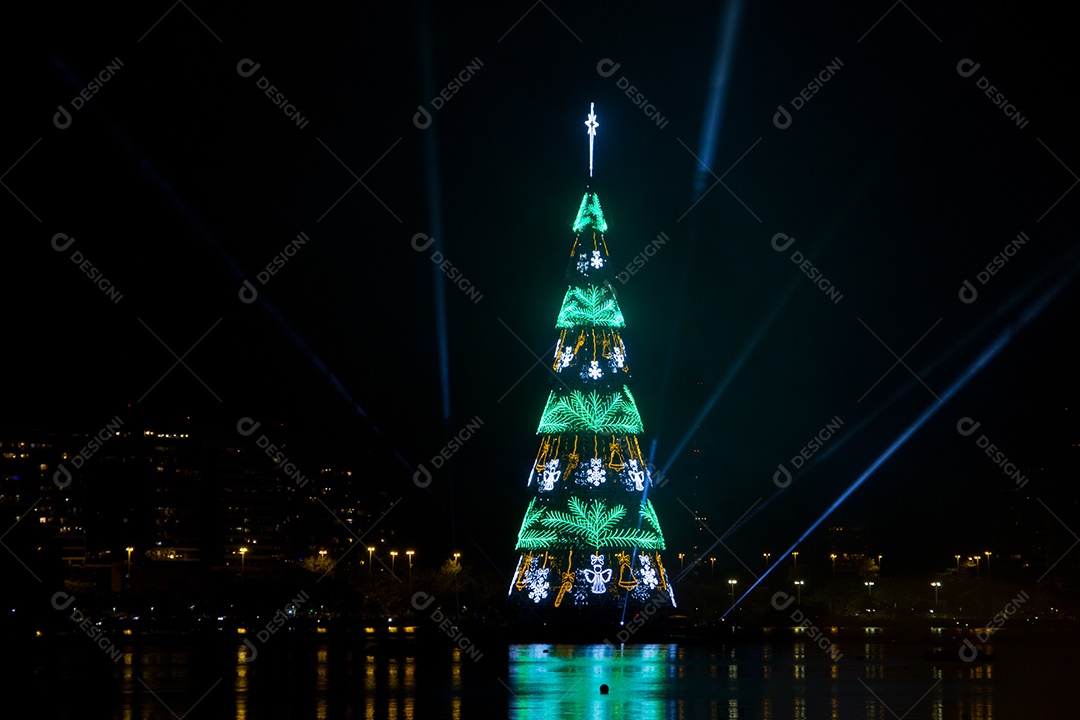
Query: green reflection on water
{"type": "Point", "coordinates": [564, 681]}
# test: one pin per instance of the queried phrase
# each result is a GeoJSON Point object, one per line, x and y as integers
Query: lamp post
{"type": "Point", "coordinates": [456, 572]}
{"type": "Point", "coordinates": [767, 556]}
{"type": "Point", "coordinates": [795, 566]}
{"type": "Point", "coordinates": [798, 591]}
{"type": "Point", "coordinates": [957, 564]}
{"type": "Point", "coordinates": [879, 564]}
{"type": "Point", "coordinates": [243, 552]}
{"type": "Point", "coordinates": [370, 552]}
{"type": "Point", "coordinates": [393, 557]}
{"type": "Point", "coordinates": [681, 556]}
{"type": "Point", "coordinates": [977, 558]}
{"type": "Point", "coordinates": [410, 553]}
{"type": "Point", "coordinates": [935, 585]}
{"type": "Point", "coordinates": [869, 587]}
{"type": "Point", "coordinates": [832, 556]}
{"type": "Point", "coordinates": [731, 590]}
{"type": "Point", "coordinates": [712, 568]}
{"type": "Point", "coordinates": [129, 551]}
{"type": "Point", "coordinates": [987, 553]}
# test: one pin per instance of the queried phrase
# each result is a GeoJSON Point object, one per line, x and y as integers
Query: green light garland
{"type": "Point", "coordinates": [593, 306]}
{"type": "Point", "coordinates": [590, 214]}
{"type": "Point", "coordinates": [614, 414]}
{"type": "Point", "coordinates": [589, 524]}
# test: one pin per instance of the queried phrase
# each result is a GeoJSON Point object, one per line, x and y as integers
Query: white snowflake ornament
{"type": "Point", "coordinates": [595, 472]}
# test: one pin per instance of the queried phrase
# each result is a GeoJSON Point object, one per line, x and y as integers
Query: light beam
{"type": "Point", "coordinates": [973, 369]}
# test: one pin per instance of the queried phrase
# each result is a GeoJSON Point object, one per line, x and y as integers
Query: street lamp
{"type": "Point", "coordinates": [129, 551]}
{"type": "Point", "coordinates": [731, 590]}
{"type": "Point", "coordinates": [712, 568]}
{"type": "Point", "coordinates": [681, 556]}
{"type": "Point", "coordinates": [977, 558]}
{"type": "Point", "coordinates": [869, 587]}
{"type": "Point", "coordinates": [393, 557]}
{"type": "Point", "coordinates": [795, 568]}
{"type": "Point", "coordinates": [935, 585]}
{"type": "Point", "coordinates": [879, 564]}
{"type": "Point", "coordinates": [798, 590]}
{"type": "Point", "coordinates": [767, 556]}
{"type": "Point", "coordinates": [410, 553]}
{"type": "Point", "coordinates": [456, 557]}
{"type": "Point", "coordinates": [987, 553]}
{"type": "Point", "coordinates": [957, 564]}
{"type": "Point", "coordinates": [832, 557]}
{"type": "Point", "coordinates": [370, 552]}
{"type": "Point", "coordinates": [243, 552]}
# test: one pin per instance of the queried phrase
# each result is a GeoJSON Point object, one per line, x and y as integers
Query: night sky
{"type": "Point", "coordinates": [899, 178]}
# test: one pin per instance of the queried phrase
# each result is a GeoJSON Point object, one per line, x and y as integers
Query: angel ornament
{"type": "Point", "coordinates": [551, 475]}
{"type": "Point", "coordinates": [598, 576]}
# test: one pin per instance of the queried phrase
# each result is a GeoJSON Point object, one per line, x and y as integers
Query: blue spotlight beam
{"type": "Point", "coordinates": [1005, 307]}
{"type": "Point", "coordinates": [712, 118]}
{"type": "Point", "coordinates": [431, 153]}
{"type": "Point", "coordinates": [1001, 310]}
{"type": "Point", "coordinates": [980, 362]}
{"type": "Point", "coordinates": [714, 109]}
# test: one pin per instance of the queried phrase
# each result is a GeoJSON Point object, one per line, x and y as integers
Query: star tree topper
{"type": "Point", "coordinates": [592, 125]}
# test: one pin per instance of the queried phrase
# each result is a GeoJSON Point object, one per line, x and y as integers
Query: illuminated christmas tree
{"type": "Point", "coordinates": [590, 537]}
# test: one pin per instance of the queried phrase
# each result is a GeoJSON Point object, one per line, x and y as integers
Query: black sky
{"type": "Point", "coordinates": [899, 180]}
